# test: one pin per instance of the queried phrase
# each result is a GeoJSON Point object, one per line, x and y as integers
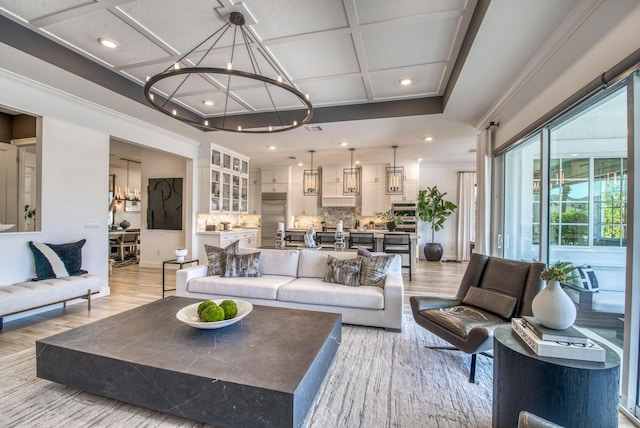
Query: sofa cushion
{"type": "Point", "coordinates": [374, 267]}
{"type": "Point", "coordinates": [314, 291]}
{"type": "Point", "coordinates": [346, 272]}
{"type": "Point", "coordinates": [217, 257]}
{"type": "Point", "coordinates": [279, 262]}
{"type": "Point", "coordinates": [313, 264]}
{"type": "Point", "coordinates": [242, 265]}
{"type": "Point", "coordinates": [264, 287]}
{"type": "Point", "coordinates": [493, 301]}
{"type": "Point", "coordinates": [57, 260]}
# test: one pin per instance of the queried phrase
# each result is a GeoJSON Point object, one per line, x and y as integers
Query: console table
{"type": "Point", "coordinates": [570, 393]}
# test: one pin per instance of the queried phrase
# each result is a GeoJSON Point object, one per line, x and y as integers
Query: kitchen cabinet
{"type": "Point", "coordinates": [248, 238]}
{"type": "Point", "coordinates": [302, 204]}
{"type": "Point", "coordinates": [275, 180]}
{"type": "Point", "coordinates": [255, 192]}
{"type": "Point", "coordinates": [410, 192]}
{"type": "Point", "coordinates": [225, 181]}
{"type": "Point", "coordinates": [331, 182]}
{"type": "Point", "coordinates": [374, 197]}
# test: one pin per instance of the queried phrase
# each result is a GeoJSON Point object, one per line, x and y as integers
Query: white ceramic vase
{"type": "Point", "coordinates": [553, 307]}
{"type": "Point", "coordinates": [180, 253]}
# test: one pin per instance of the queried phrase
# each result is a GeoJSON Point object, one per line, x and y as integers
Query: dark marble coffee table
{"type": "Point", "coordinates": [262, 371]}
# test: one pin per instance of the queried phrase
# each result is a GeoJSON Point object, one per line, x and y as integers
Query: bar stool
{"type": "Point", "coordinates": [362, 239]}
{"type": "Point", "coordinates": [398, 243]}
{"type": "Point", "coordinates": [325, 238]}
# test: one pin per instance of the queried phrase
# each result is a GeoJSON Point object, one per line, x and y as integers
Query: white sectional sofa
{"type": "Point", "coordinates": [295, 279]}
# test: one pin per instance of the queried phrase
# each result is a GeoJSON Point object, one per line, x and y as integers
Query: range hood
{"type": "Point", "coordinates": [339, 201]}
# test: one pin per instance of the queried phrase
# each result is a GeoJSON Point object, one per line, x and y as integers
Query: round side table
{"type": "Point", "coordinates": [570, 393]}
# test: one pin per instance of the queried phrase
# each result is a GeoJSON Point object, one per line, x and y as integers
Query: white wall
{"type": "Point", "coordinates": [606, 37]}
{"type": "Point", "coordinates": [75, 170]}
{"type": "Point", "coordinates": [446, 179]}
{"type": "Point", "coordinates": [157, 245]}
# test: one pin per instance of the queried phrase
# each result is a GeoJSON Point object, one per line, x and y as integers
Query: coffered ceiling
{"type": "Point", "coordinates": [348, 55]}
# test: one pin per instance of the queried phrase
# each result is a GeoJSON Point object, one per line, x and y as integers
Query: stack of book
{"type": "Point", "coordinates": [547, 342]}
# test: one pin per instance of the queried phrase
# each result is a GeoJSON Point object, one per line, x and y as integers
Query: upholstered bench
{"type": "Point", "coordinates": [25, 296]}
{"type": "Point", "coordinates": [59, 279]}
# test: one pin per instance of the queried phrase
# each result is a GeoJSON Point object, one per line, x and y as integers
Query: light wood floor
{"type": "Point", "coordinates": [134, 286]}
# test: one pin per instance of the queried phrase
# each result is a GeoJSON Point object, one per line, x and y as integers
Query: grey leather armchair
{"type": "Point", "coordinates": [492, 291]}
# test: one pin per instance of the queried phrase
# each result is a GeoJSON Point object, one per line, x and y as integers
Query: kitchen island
{"type": "Point", "coordinates": [378, 235]}
{"type": "Point", "coordinates": [248, 237]}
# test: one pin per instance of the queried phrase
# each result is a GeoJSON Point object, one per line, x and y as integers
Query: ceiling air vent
{"type": "Point", "coordinates": [471, 151]}
{"type": "Point", "coordinates": [314, 128]}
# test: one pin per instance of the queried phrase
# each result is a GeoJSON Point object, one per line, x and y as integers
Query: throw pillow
{"type": "Point", "coordinates": [345, 272]}
{"type": "Point", "coordinates": [242, 265]}
{"type": "Point", "coordinates": [57, 260]}
{"type": "Point", "coordinates": [217, 257]}
{"type": "Point", "coordinates": [586, 280]}
{"type": "Point", "coordinates": [492, 301]}
{"type": "Point", "coordinates": [374, 268]}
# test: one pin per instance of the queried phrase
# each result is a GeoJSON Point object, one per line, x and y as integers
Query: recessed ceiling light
{"type": "Point", "coordinates": [108, 43]}
{"type": "Point", "coordinates": [428, 138]}
{"type": "Point", "coordinates": [419, 159]}
{"type": "Point", "coordinates": [300, 164]}
{"type": "Point", "coordinates": [356, 162]}
{"type": "Point", "coordinates": [271, 147]}
{"type": "Point", "coordinates": [406, 81]}
{"type": "Point", "coordinates": [574, 155]}
{"type": "Point", "coordinates": [344, 143]}
{"type": "Point", "coordinates": [207, 102]}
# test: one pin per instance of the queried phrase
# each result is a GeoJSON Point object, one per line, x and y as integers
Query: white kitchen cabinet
{"type": "Point", "coordinates": [331, 182]}
{"type": "Point", "coordinates": [225, 181]}
{"type": "Point", "coordinates": [302, 204]}
{"type": "Point", "coordinates": [410, 192]}
{"type": "Point", "coordinates": [248, 238]}
{"type": "Point", "coordinates": [274, 175]}
{"type": "Point", "coordinates": [374, 173]}
{"type": "Point", "coordinates": [255, 192]}
{"type": "Point", "coordinates": [374, 199]}
{"type": "Point", "coordinates": [275, 180]}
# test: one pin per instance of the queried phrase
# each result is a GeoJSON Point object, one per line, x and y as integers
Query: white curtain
{"type": "Point", "coordinates": [466, 214]}
{"type": "Point", "coordinates": [483, 211]}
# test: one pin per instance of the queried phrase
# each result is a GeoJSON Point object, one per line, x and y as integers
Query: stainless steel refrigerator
{"type": "Point", "coordinates": [274, 211]}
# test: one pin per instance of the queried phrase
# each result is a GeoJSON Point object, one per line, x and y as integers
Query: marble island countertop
{"type": "Point", "coordinates": [228, 232]}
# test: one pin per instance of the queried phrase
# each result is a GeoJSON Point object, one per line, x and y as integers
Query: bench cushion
{"type": "Point", "coordinates": [29, 295]}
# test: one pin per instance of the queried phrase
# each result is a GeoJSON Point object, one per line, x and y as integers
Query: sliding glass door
{"type": "Point", "coordinates": [568, 197]}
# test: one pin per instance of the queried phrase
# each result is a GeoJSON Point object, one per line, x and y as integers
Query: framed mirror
{"type": "Point", "coordinates": [20, 171]}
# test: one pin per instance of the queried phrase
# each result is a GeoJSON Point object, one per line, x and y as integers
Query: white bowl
{"type": "Point", "coordinates": [4, 227]}
{"type": "Point", "coordinates": [189, 315]}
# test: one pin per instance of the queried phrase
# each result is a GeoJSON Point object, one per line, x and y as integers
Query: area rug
{"type": "Point", "coordinates": [378, 379]}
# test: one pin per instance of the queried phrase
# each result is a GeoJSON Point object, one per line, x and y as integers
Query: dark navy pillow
{"type": "Point", "coordinates": [57, 260]}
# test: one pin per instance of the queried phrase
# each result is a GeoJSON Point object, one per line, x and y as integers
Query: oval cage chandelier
{"type": "Point", "coordinates": [251, 94]}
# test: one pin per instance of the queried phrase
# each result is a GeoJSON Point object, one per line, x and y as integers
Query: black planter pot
{"type": "Point", "coordinates": [391, 226]}
{"type": "Point", "coordinates": [433, 252]}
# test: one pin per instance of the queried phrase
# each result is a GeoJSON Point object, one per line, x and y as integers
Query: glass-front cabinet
{"type": "Point", "coordinates": [228, 176]}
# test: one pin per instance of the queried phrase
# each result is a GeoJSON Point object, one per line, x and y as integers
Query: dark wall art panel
{"type": "Point", "coordinates": [165, 204]}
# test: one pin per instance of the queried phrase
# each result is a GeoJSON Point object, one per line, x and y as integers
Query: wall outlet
{"type": "Point", "coordinates": [158, 252]}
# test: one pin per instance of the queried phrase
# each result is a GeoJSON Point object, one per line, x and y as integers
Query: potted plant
{"type": "Point", "coordinates": [552, 307]}
{"type": "Point", "coordinates": [434, 209]}
{"type": "Point", "coordinates": [391, 218]}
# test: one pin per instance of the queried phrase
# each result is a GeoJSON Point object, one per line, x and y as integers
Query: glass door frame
{"type": "Point", "coordinates": [630, 368]}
